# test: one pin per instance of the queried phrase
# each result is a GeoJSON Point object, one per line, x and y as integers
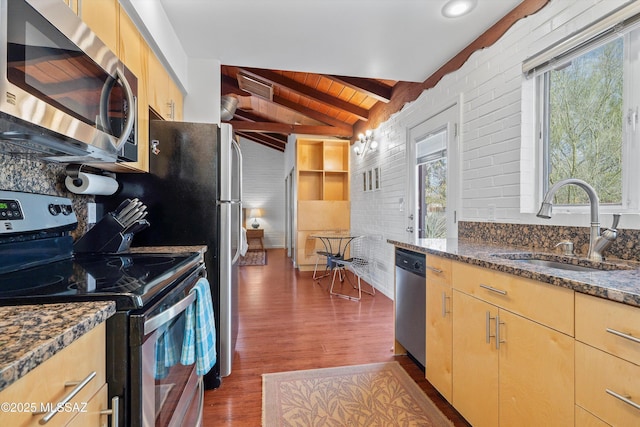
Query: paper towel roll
{"type": "Point", "coordinates": [87, 183]}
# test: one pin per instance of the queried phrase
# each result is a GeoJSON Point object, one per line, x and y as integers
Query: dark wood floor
{"type": "Point", "coordinates": [287, 323]}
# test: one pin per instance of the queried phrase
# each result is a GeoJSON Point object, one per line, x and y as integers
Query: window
{"type": "Point", "coordinates": [431, 173]}
{"type": "Point", "coordinates": [588, 115]}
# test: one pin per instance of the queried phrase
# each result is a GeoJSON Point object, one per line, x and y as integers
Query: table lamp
{"type": "Point", "coordinates": [255, 213]}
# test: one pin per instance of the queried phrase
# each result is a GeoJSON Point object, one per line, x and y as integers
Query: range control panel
{"type": "Point", "coordinates": [28, 212]}
{"type": "Point", "coordinates": [10, 209]}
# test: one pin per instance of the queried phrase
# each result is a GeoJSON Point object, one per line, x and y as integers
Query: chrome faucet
{"type": "Point", "coordinates": [597, 242]}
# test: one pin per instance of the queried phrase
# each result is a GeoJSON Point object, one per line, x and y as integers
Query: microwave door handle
{"type": "Point", "coordinates": [128, 124]}
{"type": "Point", "coordinates": [102, 121]}
{"type": "Point", "coordinates": [172, 312]}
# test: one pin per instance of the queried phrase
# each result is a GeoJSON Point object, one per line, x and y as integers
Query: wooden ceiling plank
{"type": "Point", "coordinates": [230, 86]}
{"type": "Point", "coordinates": [311, 113]}
{"type": "Point", "coordinates": [278, 79]}
{"type": "Point", "coordinates": [372, 88]}
{"type": "Point", "coordinates": [285, 128]}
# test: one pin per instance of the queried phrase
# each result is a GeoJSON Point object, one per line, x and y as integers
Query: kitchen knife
{"type": "Point", "coordinates": [122, 205]}
{"type": "Point", "coordinates": [125, 211]}
{"type": "Point", "coordinates": [129, 217]}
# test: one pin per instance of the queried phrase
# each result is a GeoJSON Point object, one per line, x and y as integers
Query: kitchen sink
{"type": "Point", "coordinates": [563, 262]}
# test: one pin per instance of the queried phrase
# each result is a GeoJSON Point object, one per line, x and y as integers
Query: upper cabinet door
{"type": "Point", "coordinates": [103, 18]}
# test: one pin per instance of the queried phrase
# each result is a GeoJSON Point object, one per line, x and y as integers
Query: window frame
{"type": "Point", "coordinates": [630, 181]}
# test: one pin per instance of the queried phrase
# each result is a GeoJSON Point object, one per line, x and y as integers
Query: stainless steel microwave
{"type": "Point", "coordinates": [64, 96]}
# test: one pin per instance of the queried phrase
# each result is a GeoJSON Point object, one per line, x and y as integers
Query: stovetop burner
{"type": "Point", "coordinates": [129, 279]}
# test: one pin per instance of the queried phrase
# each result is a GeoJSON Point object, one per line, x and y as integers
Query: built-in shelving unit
{"type": "Point", "coordinates": [323, 193]}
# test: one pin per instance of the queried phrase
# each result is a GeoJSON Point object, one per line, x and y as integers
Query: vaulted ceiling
{"type": "Point", "coordinates": [272, 104]}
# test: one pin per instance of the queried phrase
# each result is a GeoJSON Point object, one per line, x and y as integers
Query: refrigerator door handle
{"type": "Point", "coordinates": [236, 148]}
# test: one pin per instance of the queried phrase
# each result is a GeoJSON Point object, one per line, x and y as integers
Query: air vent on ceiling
{"type": "Point", "coordinates": [255, 86]}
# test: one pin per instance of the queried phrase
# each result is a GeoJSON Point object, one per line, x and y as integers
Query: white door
{"type": "Point", "coordinates": [433, 177]}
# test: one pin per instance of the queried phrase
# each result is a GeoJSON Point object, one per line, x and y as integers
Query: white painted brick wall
{"type": "Point", "coordinates": [263, 187]}
{"type": "Point", "coordinates": [491, 159]}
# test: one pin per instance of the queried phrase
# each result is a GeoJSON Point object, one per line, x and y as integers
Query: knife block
{"type": "Point", "coordinates": [107, 236]}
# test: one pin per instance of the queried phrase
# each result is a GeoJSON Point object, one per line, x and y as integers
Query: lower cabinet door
{"type": "Point", "coordinates": [536, 374]}
{"type": "Point", "coordinates": [90, 415]}
{"type": "Point", "coordinates": [439, 336]}
{"type": "Point", "coordinates": [475, 361]}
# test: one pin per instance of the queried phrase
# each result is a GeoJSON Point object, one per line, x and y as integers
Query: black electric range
{"type": "Point", "coordinates": [38, 264]}
{"type": "Point", "coordinates": [152, 292]}
{"type": "Point", "coordinates": [131, 280]}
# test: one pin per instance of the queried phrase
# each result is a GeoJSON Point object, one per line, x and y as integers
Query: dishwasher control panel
{"type": "Point", "coordinates": [411, 261]}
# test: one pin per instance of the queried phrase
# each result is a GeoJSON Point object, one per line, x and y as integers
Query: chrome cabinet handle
{"type": "Point", "coordinates": [79, 386]}
{"type": "Point", "coordinates": [114, 411]}
{"type": "Point", "coordinates": [498, 340]}
{"type": "Point", "coordinates": [444, 304]}
{"type": "Point", "coordinates": [492, 289]}
{"type": "Point", "coordinates": [623, 335]}
{"type": "Point", "coordinates": [435, 270]}
{"type": "Point", "coordinates": [623, 398]}
{"type": "Point", "coordinates": [488, 327]}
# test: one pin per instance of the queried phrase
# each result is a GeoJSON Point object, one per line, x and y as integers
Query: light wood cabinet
{"type": "Point", "coordinates": [513, 358]}
{"type": "Point", "coordinates": [475, 361]}
{"type": "Point", "coordinates": [439, 330]}
{"type": "Point", "coordinates": [587, 419]}
{"type": "Point", "coordinates": [103, 19]}
{"type": "Point", "coordinates": [322, 180]}
{"type": "Point", "coordinates": [163, 95]}
{"type": "Point", "coordinates": [46, 383]}
{"type": "Point", "coordinates": [607, 360]}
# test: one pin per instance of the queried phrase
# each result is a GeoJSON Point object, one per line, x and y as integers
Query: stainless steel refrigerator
{"type": "Point", "coordinates": [193, 193]}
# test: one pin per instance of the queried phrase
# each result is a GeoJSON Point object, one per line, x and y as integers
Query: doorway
{"type": "Point", "coordinates": [433, 177]}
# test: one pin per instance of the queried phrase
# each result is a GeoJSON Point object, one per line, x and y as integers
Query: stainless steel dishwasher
{"type": "Point", "coordinates": [410, 302]}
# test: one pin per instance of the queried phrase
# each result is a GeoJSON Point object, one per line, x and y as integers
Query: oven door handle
{"type": "Point", "coordinates": [175, 310]}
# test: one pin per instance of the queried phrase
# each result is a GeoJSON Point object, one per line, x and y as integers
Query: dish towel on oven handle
{"type": "Point", "coordinates": [199, 344]}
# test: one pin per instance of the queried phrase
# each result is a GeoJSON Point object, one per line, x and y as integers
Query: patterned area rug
{"type": "Point", "coordinates": [253, 258]}
{"type": "Point", "coordinates": [378, 394]}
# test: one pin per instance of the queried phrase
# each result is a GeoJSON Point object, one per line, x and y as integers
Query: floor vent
{"type": "Point", "coordinates": [255, 86]}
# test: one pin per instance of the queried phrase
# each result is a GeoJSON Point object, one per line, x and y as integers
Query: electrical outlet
{"type": "Point", "coordinates": [91, 213]}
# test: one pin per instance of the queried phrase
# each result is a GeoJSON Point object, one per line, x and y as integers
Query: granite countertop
{"type": "Point", "coordinates": [32, 334]}
{"type": "Point", "coordinates": [616, 285]}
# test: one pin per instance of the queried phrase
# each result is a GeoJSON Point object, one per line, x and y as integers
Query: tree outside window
{"type": "Point", "coordinates": [585, 112]}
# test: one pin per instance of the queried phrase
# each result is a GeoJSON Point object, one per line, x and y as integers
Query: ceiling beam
{"type": "Point", "coordinates": [308, 92]}
{"type": "Point", "coordinates": [263, 140]}
{"type": "Point", "coordinates": [369, 87]}
{"type": "Point", "coordinates": [285, 128]}
{"type": "Point", "coordinates": [230, 86]}
{"type": "Point", "coordinates": [311, 113]}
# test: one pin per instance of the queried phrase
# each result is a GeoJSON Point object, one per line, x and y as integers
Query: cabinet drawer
{"type": "Point", "coordinates": [46, 383]}
{"type": "Point", "coordinates": [438, 268]}
{"type": "Point", "coordinates": [609, 326]}
{"type": "Point", "coordinates": [550, 305]}
{"type": "Point", "coordinates": [597, 372]}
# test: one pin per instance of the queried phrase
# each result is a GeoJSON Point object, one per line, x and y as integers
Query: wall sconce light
{"type": "Point", "coordinates": [365, 143]}
{"type": "Point", "coordinates": [255, 213]}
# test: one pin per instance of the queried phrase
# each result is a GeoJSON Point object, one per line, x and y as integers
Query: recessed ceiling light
{"type": "Point", "coordinates": [457, 8]}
